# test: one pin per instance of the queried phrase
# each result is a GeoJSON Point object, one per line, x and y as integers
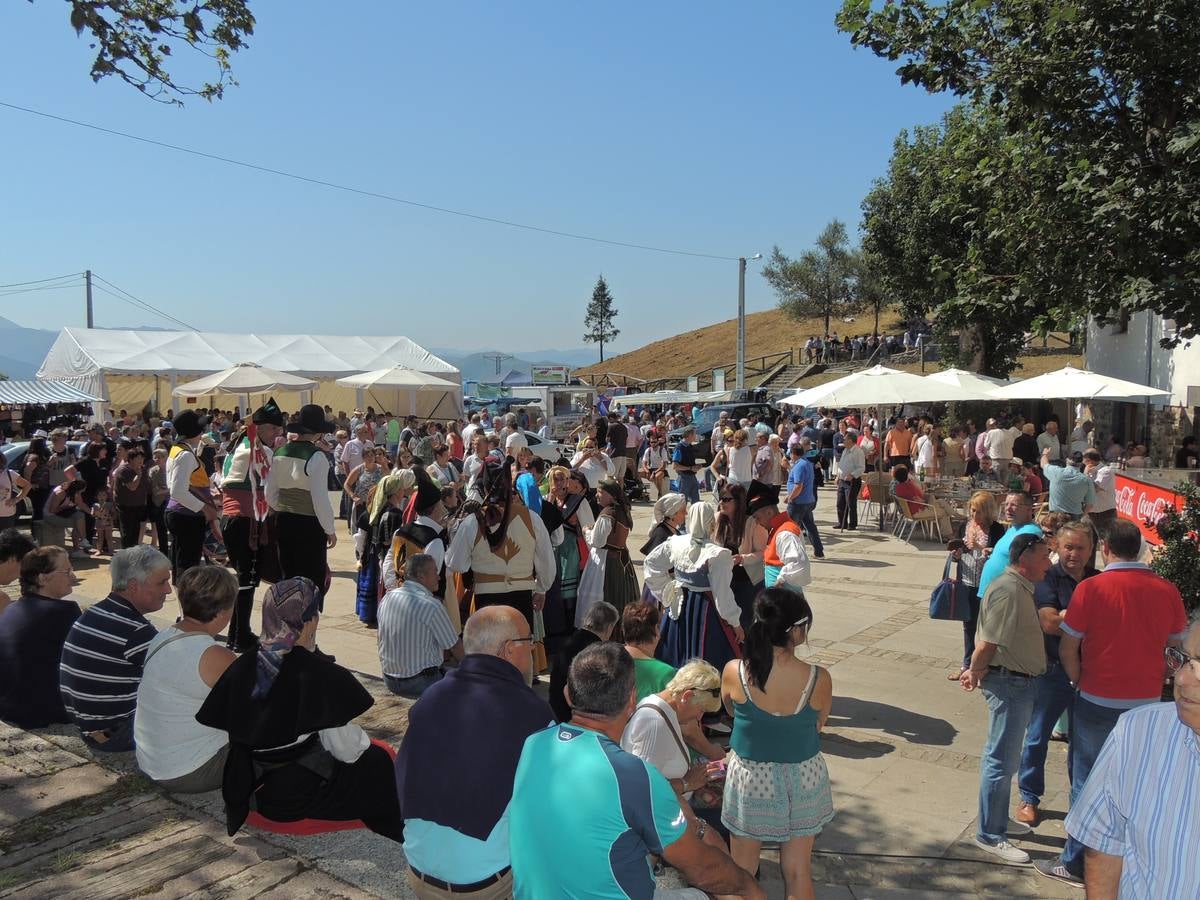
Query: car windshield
{"type": "Point", "coordinates": [708, 417]}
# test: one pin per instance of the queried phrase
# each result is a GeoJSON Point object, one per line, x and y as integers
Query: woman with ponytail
{"type": "Point", "coordinates": [777, 785]}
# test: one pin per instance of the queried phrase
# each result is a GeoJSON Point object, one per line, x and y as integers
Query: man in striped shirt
{"type": "Point", "coordinates": [106, 648]}
{"type": "Point", "coordinates": [415, 631]}
{"type": "Point", "coordinates": [1139, 813]}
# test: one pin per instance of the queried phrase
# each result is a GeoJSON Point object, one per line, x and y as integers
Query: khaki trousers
{"type": "Point", "coordinates": [499, 890]}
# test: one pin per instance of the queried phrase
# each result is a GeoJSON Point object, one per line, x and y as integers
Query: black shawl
{"type": "Point", "coordinates": [309, 694]}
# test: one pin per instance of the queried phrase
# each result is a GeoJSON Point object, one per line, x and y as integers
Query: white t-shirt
{"type": "Point", "coordinates": [649, 737]}
{"type": "Point", "coordinates": [169, 741]}
{"type": "Point", "coordinates": [925, 453]}
{"type": "Point", "coordinates": [741, 464]}
{"type": "Point", "coordinates": [514, 441]}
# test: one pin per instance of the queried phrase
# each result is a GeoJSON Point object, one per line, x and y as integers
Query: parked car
{"type": "Point", "coordinates": [710, 415]}
{"type": "Point", "coordinates": [554, 453]}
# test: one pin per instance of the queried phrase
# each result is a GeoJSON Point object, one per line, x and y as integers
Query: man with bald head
{"type": "Point", "coordinates": [456, 826]}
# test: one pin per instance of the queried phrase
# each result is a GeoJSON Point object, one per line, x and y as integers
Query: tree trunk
{"type": "Point", "coordinates": [877, 305]}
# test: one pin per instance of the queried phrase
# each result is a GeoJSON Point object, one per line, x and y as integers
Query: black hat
{"type": "Point", "coordinates": [268, 414]}
{"type": "Point", "coordinates": [760, 496]}
{"type": "Point", "coordinates": [311, 420]}
{"type": "Point", "coordinates": [188, 424]}
{"type": "Point", "coordinates": [428, 495]}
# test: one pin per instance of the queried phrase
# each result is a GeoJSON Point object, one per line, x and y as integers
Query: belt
{"type": "Point", "coordinates": [486, 578]}
{"type": "Point", "coordinates": [459, 888]}
{"type": "Point", "coordinates": [1004, 670]}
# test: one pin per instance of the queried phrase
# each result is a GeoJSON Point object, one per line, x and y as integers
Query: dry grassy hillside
{"type": "Point", "coordinates": [768, 332]}
{"type": "Point", "coordinates": [687, 353]}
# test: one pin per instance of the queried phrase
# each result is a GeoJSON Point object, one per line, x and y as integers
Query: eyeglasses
{"type": "Point", "coordinates": [1177, 660]}
{"type": "Point", "coordinates": [521, 640]}
{"type": "Point", "coordinates": [802, 623]}
{"type": "Point", "coordinates": [726, 499]}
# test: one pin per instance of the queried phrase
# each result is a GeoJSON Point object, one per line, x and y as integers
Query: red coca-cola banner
{"type": "Point", "coordinates": [1144, 504]}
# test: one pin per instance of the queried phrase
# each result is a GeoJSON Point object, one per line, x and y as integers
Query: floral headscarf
{"type": "Point", "coordinates": [287, 606]}
{"type": "Point", "coordinates": [388, 485]}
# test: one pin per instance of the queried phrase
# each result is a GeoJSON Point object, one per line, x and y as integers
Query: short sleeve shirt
{"type": "Point", "coordinates": [1070, 489]}
{"type": "Point", "coordinates": [1008, 619]}
{"type": "Point", "coordinates": [584, 816]}
{"type": "Point", "coordinates": [1054, 592]}
{"type": "Point", "coordinates": [802, 474]}
{"type": "Point", "coordinates": [1124, 616]}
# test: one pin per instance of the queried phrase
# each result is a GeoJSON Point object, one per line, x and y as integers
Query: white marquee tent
{"type": "Point", "coordinates": [128, 368]}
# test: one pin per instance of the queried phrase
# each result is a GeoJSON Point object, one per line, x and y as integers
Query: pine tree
{"type": "Point", "coordinates": [599, 318]}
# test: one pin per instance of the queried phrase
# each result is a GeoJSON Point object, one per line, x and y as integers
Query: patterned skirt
{"type": "Point", "coordinates": [769, 801]}
{"type": "Point", "coordinates": [367, 597]}
{"type": "Point", "coordinates": [698, 633]}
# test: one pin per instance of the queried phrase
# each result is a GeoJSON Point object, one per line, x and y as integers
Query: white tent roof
{"type": "Point", "coordinates": [41, 392]}
{"type": "Point", "coordinates": [244, 378]}
{"type": "Point", "coordinates": [81, 352]}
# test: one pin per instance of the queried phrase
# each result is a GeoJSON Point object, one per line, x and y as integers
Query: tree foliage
{"type": "Point", "coordinates": [1178, 559]}
{"type": "Point", "coordinates": [135, 39]}
{"type": "Point", "coordinates": [951, 231]}
{"type": "Point", "coordinates": [820, 282]}
{"type": "Point", "coordinates": [599, 317]}
{"type": "Point", "coordinates": [1103, 100]}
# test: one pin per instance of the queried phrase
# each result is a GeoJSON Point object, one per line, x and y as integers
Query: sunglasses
{"type": "Point", "coordinates": [726, 499]}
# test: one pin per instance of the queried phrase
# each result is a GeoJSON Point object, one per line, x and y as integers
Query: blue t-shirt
{"type": "Point", "coordinates": [802, 474]}
{"type": "Point", "coordinates": [999, 559]}
{"type": "Point", "coordinates": [584, 816]}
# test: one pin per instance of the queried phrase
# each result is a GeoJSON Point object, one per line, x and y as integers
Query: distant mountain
{"type": "Point", "coordinates": [24, 348]}
{"type": "Point", "coordinates": [475, 366]}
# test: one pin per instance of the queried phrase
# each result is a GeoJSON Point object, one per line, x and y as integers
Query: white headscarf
{"type": "Point", "coordinates": [701, 520]}
{"type": "Point", "coordinates": [666, 506]}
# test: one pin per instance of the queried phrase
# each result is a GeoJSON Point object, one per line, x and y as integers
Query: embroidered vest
{"type": "Point", "coordinates": [510, 566]}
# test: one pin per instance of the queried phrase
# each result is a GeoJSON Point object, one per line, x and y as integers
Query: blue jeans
{"type": "Point", "coordinates": [413, 687]}
{"type": "Point", "coordinates": [1010, 699]}
{"type": "Point", "coordinates": [689, 486]}
{"type": "Point", "coordinates": [1054, 695]}
{"type": "Point", "coordinates": [119, 738]}
{"type": "Point", "coordinates": [802, 515]}
{"type": "Point", "coordinates": [1091, 725]}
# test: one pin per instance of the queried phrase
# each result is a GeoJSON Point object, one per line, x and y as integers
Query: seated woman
{"type": "Point", "coordinates": [32, 632]}
{"type": "Point", "coordinates": [294, 753]}
{"type": "Point", "coordinates": [183, 662]}
{"type": "Point", "coordinates": [65, 507]}
{"type": "Point", "coordinates": [911, 492]}
{"type": "Point", "coordinates": [656, 732]}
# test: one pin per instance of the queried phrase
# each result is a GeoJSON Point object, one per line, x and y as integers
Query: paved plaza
{"type": "Point", "coordinates": [902, 745]}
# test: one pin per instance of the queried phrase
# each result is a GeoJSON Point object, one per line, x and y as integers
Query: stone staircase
{"type": "Point", "coordinates": [788, 377]}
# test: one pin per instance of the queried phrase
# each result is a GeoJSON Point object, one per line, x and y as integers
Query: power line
{"type": "Point", "coordinates": [52, 287]}
{"type": "Point", "coordinates": [365, 193]}
{"type": "Point", "coordinates": [16, 284]}
{"type": "Point", "coordinates": [129, 298]}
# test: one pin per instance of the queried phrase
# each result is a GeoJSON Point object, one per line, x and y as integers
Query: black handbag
{"type": "Point", "coordinates": [951, 598]}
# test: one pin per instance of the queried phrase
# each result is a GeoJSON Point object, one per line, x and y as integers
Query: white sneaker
{"type": "Point", "coordinates": [1017, 829]}
{"type": "Point", "coordinates": [1005, 851]}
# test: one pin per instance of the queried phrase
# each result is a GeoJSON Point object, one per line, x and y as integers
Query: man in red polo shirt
{"type": "Point", "coordinates": [1113, 636]}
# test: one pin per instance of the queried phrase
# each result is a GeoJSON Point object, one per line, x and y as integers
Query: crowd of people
{"type": "Point", "coordinates": [481, 567]}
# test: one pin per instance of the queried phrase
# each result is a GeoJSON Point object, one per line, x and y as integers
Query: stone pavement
{"type": "Point", "coordinates": [902, 746]}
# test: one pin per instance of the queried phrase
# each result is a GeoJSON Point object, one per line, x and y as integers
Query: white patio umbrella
{"type": "Point", "coordinates": [244, 378]}
{"type": "Point", "coordinates": [969, 380]}
{"type": "Point", "coordinates": [402, 378]}
{"type": "Point", "coordinates": [880, 386]}
{"type": "Point", "coordinates": [1069, 383]}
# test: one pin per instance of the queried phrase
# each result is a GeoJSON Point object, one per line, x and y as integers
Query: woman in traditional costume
{"type": "Point", "coordinates": [384, 513]}
{"type": "Point", "coordinates": [294, 752]}
{"type": "Point", "coordinates": [692, 574]}
{"type": "Point", "coordinates": [609, 573]}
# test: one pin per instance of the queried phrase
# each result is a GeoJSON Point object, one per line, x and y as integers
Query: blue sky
{"type": "Point", "coordinates": [711, 127]}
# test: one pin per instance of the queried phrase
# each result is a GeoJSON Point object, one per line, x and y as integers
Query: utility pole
{"type": "Point", "coordinates": [87, 278]}
{"type": "Point", "coordinates": [499, 358]}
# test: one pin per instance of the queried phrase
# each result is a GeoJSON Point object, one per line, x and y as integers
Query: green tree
{"type": "Point", "coordinates": [599, 317]}
{"type": "Point", "coordinates": [820, 281]}
{"type": "Point", "coordinates": [134, 39]}
{"type": "Point", "coordinates": [953, 235]}
{"type": "Point", "coordinates": [1105, 96]}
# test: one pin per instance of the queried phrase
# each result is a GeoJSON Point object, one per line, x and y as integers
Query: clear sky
{"type": "Point", "coordinates": [710, 127]}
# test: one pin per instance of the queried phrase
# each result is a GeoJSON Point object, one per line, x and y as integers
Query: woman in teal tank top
{"type": "Point", "coordinates": [776, 784]}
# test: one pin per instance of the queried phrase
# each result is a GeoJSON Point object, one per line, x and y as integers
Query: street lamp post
{"type": "Point", "coordinates": [740, 382]}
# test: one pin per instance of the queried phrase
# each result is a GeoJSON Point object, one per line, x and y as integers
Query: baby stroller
{"type": "Point", "coordinates": [635, 488]}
